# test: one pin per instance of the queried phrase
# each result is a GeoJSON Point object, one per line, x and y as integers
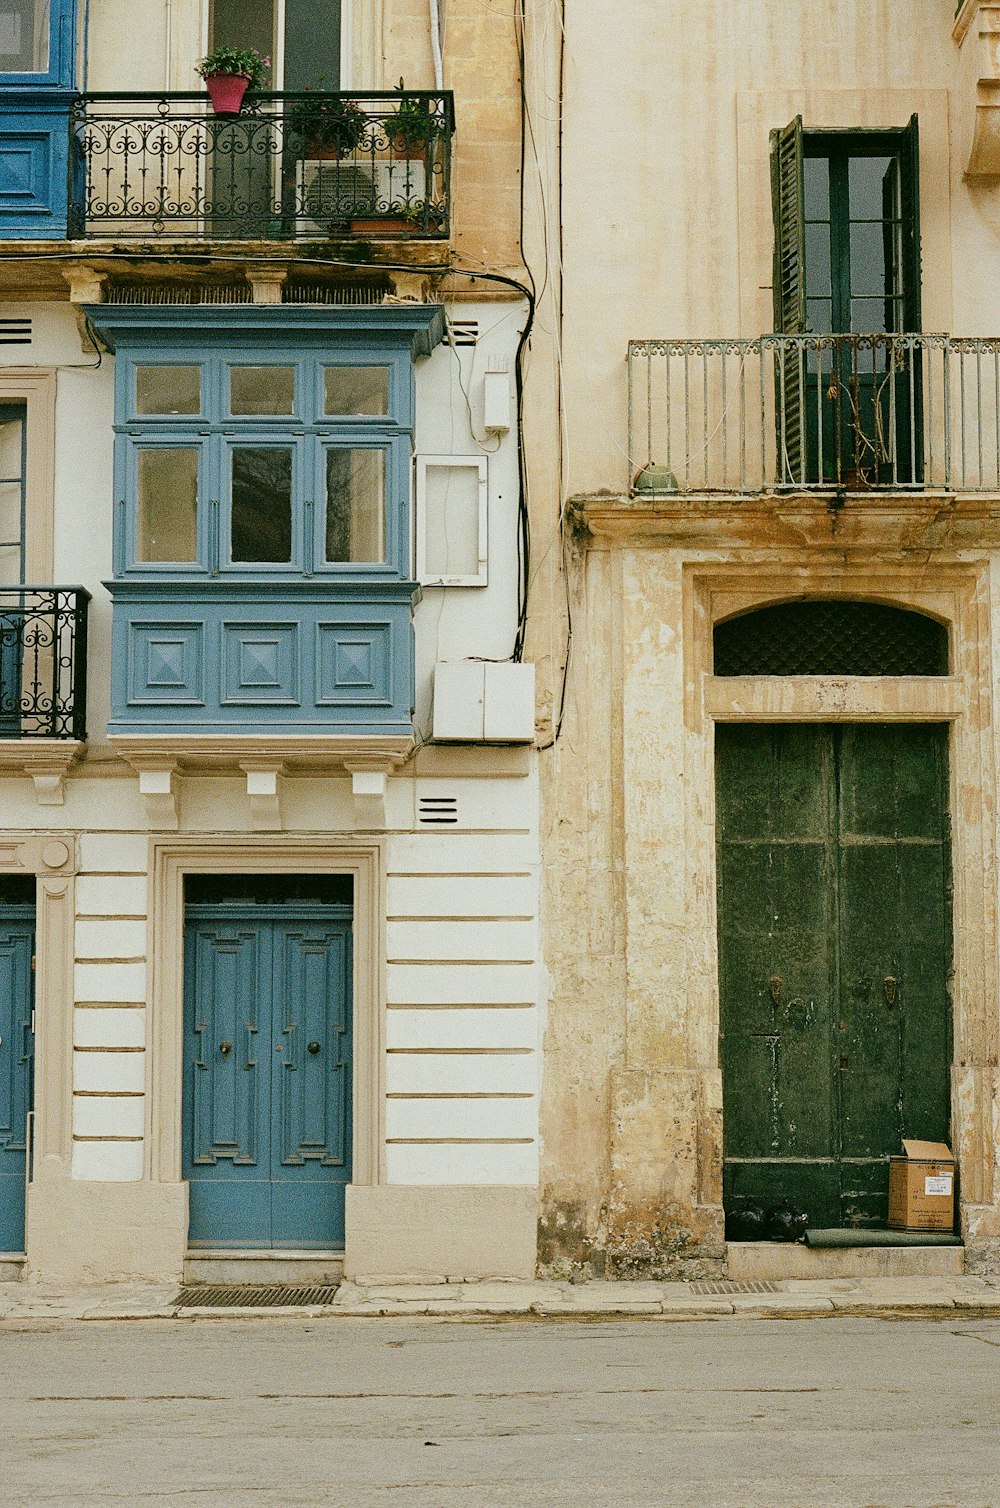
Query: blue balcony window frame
{"type": "Point", "coordinates": [61, 70]}
{"type": "Point", "coordinates": [309, 432]}
{"type": "Point", "coordinates": [306, 612]}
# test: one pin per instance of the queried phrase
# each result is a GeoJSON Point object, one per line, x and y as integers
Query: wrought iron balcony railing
{"type": "Point", "coordinates": [814, 412]}
{"type": "Point", "coordinates": [43, 661]}
{"type": "Point", "coordinates": [289, 166]}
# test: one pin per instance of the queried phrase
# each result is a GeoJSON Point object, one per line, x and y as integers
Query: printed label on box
{"type": "Point", "coordinates": [940, 1184]}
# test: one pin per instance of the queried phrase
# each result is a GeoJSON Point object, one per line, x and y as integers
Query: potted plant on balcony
{"type": "Point", "coordinates": [330, 125]}
{"type": "Point", "coordinates": [411, 127]}
{"type": "Point", "coordinates": [228, 73]}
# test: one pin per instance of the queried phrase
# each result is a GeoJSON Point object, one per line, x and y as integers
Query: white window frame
{"type": "Point", "coordinates": [480, 466]}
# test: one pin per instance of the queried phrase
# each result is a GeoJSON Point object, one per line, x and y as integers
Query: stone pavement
{"type": "Point", "coordinates": [806, 1299]}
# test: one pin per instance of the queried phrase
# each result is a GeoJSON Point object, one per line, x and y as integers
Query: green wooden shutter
{"type": "Point", "coordinates": [788, 203]}
{"type": "Point", "coordinates": [788, 195]}
{"type": "Point", "coordinates": [909, 197]}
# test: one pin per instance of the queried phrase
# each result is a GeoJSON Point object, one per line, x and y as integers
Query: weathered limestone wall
{"type": "Point", "coordinates": [667, 230]}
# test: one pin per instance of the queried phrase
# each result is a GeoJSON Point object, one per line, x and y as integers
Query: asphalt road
{"type": "Point", "coordinates": [289, 1412]}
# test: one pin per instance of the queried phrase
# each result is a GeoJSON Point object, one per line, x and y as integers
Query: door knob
{"type": "Point", "coordinates": [314, 1048]}
{"type": "Point", "coordinates": [225, 1048]}
{"type": "Point", "coordinates": [889, 985]}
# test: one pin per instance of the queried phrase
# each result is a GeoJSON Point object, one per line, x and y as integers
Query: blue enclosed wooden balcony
{"type": "Point", "coordinates": [288, 167]}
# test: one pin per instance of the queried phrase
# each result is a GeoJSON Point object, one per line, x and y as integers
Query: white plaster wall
{"type": "Point", "coordinates": [455, 623]}
{"type": "Point", "coordinates": [463, 1020]}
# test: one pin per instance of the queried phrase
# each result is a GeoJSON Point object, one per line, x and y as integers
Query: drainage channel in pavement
{"type": "Point", "coordinates": [730, 1285]}
{"type": "Point", "coordinates": [248, 1296]}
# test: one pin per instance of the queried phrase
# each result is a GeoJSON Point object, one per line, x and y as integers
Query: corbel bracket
{"type": "Point", "coordinates": [264, 793]}
{"type": "Point", "coordinates": [158, 789]}
{"type": "Point", "coordinates": [369, 784]}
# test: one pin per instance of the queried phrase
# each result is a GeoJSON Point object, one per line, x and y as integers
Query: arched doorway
{"type": "Point", "coordinates": [834, 904]}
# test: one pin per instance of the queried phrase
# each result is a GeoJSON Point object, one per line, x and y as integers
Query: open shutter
{"type": "Point", "coordinates": [787, 197]}
{"type": "Point", "coordinates": [909, 203]}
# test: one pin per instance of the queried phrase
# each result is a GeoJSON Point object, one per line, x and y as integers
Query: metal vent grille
{"type": "Point", "coordinates": [831, 638]}
{"type": "Point", "coordinates": [463, 332]}
{"type": "Point", "coordinates": [178, 293]}
{"type": "Point", "coordinates": [247, 1296]}
{"type": "Point", "coordinates": [730, 1285]}
{"type": "Point", "coordinates": [437, 811]}
{"type": "Point", "coordinates": [15, 332]}
{"type": "Point", "coordinates": [334, 293]}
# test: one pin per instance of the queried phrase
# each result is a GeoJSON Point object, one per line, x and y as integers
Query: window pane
{"type": "Point", "coordinates": [24, 36]}
{"type": "Point", "coordinates": [11, 441]}
{"type": "Point", "coordinates": [355, 505]}
{"type": "Point", "coordinates": [819, 316]}
{"type": "Point", "coordinates": [261, 518]}
{"type": "Point", "coordinates": [871, 185]}
{"type": "Point", "coordinates": [817, 260]}
{"type": "Point", "coordinates": [356, 390]}
{"type": "Point", "coordinates": [10, 565]}
{"type": "Point", "coordinates": [868, 269]}
{"type": "Point", "coordinates": [168, 390]}
{"type": "Point", "coordinates": [262, 390]}
{"type": "Point", "coordinates": [10, 513]}
{"type": "Point", "coordinates": [167, 519]}
{"type": "Point", "coordinates": [870, 315]}
{"type": "Point", "coordinates": [451, 521]}
{"type": "Point", "coordinates": [816, 182]}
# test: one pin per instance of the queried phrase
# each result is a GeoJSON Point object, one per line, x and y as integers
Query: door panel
{"type": "Point", "coordinates": [834, 949]}
{"type": "Point", "coordinates": [229, 1086]}
{"type": "Point", "coordinates": [267, 1114]}
{"type": "Point", "coordinates": [312, 1097]}
{"type": "Point", "coordinates": [776, 961]}
{"type": "Point", "coordinates": [17, 944]}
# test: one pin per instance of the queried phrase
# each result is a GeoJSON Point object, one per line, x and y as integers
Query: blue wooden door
{"type": "Point", "coordinates": [17, 946]}
{"type": "Point", "coordinates": [267, 1113]}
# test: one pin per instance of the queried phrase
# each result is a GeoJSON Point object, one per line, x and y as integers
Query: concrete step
{"type": "Point", "coordinates": [764, 1261]}
{"type": "Point", "coordinates": [298, 1267]}
{"type": "Point", "coordinates": [11, 1266]}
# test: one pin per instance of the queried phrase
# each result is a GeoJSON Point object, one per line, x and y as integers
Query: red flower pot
{"type": "Point", "coordinates": [227, 91]}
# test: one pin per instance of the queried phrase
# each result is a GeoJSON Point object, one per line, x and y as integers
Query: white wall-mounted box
{"type": "Point", "coordinates": [452, 498]}
{"type": "Point", "coordinates": [478, 701]}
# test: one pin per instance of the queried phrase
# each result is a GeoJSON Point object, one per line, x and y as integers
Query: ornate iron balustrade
{"type": "Point", "coordinates": [289, 166]}
{"type": "Point", "coordinates": [43, 661]}
{"type": "Point", "coordinates": [814, 412]}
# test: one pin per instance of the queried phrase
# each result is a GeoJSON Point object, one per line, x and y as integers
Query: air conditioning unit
{"type": "Point", "coordinates": [331, 193]}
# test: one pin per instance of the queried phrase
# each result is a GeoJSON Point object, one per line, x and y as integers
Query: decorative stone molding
{"type": "Point", "coordinates": [45, 760]}
{"type": "Point", "coordinates": [368, 785]}
{"type": "Point", "coordinates": [978, 26]}
{"type": "Point", "coordinates": [264, 793]}
{"type": "Point", "coordinates": [159, 759]}
{"type": "Point", "coordinates": [266, 283]}
{"type": "Point", "coordinates": [156, 787]}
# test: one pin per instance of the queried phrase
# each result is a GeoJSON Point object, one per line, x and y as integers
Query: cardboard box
{"type": "Point", "coordinates": [922, 1187]}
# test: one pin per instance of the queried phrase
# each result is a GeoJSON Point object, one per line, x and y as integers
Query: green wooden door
{"type": "Point", "coordinates": [834, 960]}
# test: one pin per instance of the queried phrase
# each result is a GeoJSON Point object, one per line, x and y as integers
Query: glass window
{"type": "Point", "coordinates": [356, 390]}
{"type": "Point", "coordinates": [167, 514]}
{"type": "Point", "coordinates": [12, 425]}
{"type": "Point", "coordinates": [262, 390]}
{"type": "Point", "coordinates": [261, 510]}
{"type": "Point", "coordinates": [355, 505]}
{"type": "Point", "coordinates": [168, 390]}
{"type": "Point", "coordinates": [24, 36]}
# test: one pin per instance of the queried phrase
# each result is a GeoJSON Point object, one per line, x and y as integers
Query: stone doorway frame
{"type": "Point", "coordinates": [959, 596]}
{"type": "Point", "coordinates": [171, 858]}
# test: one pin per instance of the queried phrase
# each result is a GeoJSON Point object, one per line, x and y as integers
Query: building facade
{"type": "Point", "coordinates": [769, 808]}
{"type": "Point", "coordinates": [268, 790]}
